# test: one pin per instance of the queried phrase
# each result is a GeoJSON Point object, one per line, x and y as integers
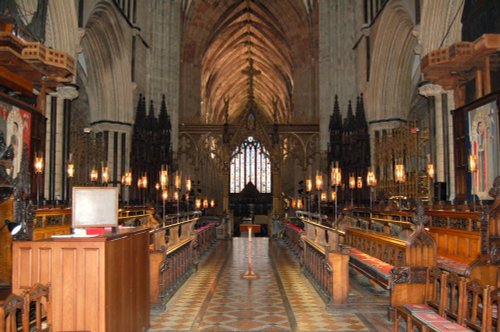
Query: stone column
{"type": "Point", "coordinates": [276, 184]}
{"type": "Point", "coordinates": [440, 133]}
{"type": "Point", "coordinates": [57, 142]}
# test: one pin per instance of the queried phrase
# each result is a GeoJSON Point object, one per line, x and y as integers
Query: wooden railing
{"type": "Point", "coordinates": [55, 221]}
{"type": "Point", "coordinates": [324, 263]}
{"type": "Point", "coordinates": [174, 251]}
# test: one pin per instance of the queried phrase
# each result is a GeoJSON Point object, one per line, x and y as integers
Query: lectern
{"type": "Point", "coordinates": [249, 274]}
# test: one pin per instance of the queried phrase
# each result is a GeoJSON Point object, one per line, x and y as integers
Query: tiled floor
{"type": "Point", "coordinates": [216, 298]}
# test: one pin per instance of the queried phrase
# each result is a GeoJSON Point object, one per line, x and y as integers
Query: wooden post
{"type": "Point", "coordinates": [339, 261]}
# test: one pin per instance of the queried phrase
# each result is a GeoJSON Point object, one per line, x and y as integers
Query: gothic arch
{"type": "Point", "coordinates": [391, 87]}
{"type": "Point", "coordinates": [62, 26]}
{"type": "Point", "coordinates": [108, 64]}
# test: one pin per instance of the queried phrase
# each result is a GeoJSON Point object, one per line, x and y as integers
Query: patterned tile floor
{"type": "Point", "coordinates": [216, 298]}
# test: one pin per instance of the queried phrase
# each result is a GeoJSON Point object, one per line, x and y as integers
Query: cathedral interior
{"type": "Point", "coordinates": [263, 165]}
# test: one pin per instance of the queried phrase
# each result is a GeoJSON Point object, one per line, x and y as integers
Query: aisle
{"type": "Point", "coordinates": [216, 298]}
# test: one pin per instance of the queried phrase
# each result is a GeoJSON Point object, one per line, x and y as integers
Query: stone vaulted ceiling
{"type": "Point", "coordinates": [274, 34]}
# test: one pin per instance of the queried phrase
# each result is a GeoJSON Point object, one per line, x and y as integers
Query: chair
{"type": "Point", "coordinates": [477, 306]}
{"type": "Point", "coordinates": [37, 308]}
{"type": "Point", "coordinates": [10, 310]}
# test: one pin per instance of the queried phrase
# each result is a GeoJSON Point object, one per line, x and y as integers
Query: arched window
{"type": "Point", "coordinates": [250, 163]}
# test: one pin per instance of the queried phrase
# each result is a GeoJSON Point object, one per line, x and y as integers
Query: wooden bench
{"type": "Point", "coordinates": [452, 302]}
{"type": "Point", "coordinates": [395, 264]}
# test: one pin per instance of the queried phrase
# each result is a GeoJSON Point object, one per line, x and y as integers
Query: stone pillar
{"type": "Point", "coordinates": [276, 184]}
{"type": "Point", "coordinates": [57, 142]}
{"type": "Point", "coordinates": [116, 156]}
{"type": "Point", "coordinates": [442, 134]}
{"type": "Point", "coordinates": [225, 188]}
{"type": "Point", "coordinates": [451, 141]}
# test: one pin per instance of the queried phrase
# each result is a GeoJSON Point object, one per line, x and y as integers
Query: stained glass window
{"type": "Point", "coordinates": [250, 163]}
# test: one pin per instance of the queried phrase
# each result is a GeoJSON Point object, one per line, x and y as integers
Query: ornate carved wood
{"type": "Point", "coordinates": [151, 147]}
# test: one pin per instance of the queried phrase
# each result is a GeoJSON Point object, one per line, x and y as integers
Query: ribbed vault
{"type": "Point", "coordinates": [269, 33]}
{"type": "Point", "coordinates": [247, 30]}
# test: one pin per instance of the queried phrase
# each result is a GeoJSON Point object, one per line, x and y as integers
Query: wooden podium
{"type": "Point", "coordinates": [249, 274]}
{"type": "Point", "coordinates": [97, 283]}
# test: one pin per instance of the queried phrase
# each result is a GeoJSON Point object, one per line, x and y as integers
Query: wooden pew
{"type": "Point", "coordinates": [395, 264]}
{"type": "Point", "coordinates": [466, 241]}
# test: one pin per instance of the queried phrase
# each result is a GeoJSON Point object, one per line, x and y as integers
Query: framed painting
{"type": "Point", "coordinates": [483, 145]}
{"type": "Point", "coordinates": [15, 128]}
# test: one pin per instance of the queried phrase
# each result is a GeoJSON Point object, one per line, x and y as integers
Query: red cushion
{"type": "Point", "coordinates": [417, 307]}
{"type": "Point", "coordinates": [451, 265]}
{"type": "Point", "coordinates": [381, 266]}
{"type": "Point", "coordinates": [448, 326]}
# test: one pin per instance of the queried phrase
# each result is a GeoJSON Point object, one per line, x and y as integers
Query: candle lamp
{"type": "Point", "coordinates": [319, 186]}
{"type": "Point", "coordinates": [94, 175]}
{"type": "Point", "coordinates": [308, 191]}
{"type": "Point", "coordinates": [105, 175]}
{"type": "Point", "coordinates": [473, 170]}
{"type": "Point", "coordinates": [400, 179]}
{"type": "Point", "coordinates": [430, 176]}
{"type": "Point", "coordinates": [336, 180]}
{"type": "Point", "coordinates": [38, 167]}
{"type": "Point", "coordinates": [352, 185]}
{"type": "Point", "coordinates": [371, 181]}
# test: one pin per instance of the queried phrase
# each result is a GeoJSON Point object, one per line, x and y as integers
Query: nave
{"type": "Point", "coordinates": [216, 298]}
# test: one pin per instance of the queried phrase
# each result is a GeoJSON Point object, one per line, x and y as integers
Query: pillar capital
{"type": "Point", "coordinates": [430, 90]}
{"type": "Point", "coordinates": [69, 91]}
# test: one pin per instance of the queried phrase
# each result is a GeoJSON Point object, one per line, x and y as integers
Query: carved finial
{"type": "Point", "coordinates": [420, 218]}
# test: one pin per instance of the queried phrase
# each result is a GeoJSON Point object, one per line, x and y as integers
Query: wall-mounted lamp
{"type": "Point", "coordinates": [13, 227]}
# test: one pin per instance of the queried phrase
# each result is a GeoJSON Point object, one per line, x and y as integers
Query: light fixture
{"type": "Point", "coordinates": [177, 181]}
{"type": "Point", "coordinates": [163, 177]}
{"type": "Point", "coordinates": [400, 174]}
{"type": "Point", "coordinates": [371, 180]}
{"type": "Point", "coordinates": [70, 170]}
{"type": "Point", "coordinates": [309, 185]}
{"type": "Point", "coordinates": [105, 175]}
{"type": "Point", "coordinates": [197, 203]}
{"type": "Point", "coordinates": [359, 182]}
{"type": "Point", "coordinates": [299, 204]}
{"type": "Point", "coordinates": [323, 197]}
{"type": "Point", "coordinates": [352, 182]}
{"type": "Point", "coordinates": [293, 204]}
{"type": "Point", "coordinates": [13, 227]}
{"type": "Point", "coordinates": [176, 196]}
{"type": "Point", "coordinates": [93, 175]}
{"type": "Point", "coordinates": [319, 181]}
{"type": "Point", "coordinates": [336, 175]}
{"type": "Point", "coordinates": [334, 196]}
{"type": "Point", "coordinates": [472, 163]}
{"type": "Point", "coordinates": [212, 203]}
{"type": "Point", "coordinates": [205, 203]}
{"type": "Point", "coordinates": [38, 165]}
{"type": "Point", "coordinates": [188, 185]}
{"type": "Point", "coordinates": [127, 179]}
{"type": "Point", "coordinates": [157, 186]}
{"type": "Point", "coordinates": [164, 195]}
{"type": "Point", "coordinates": [430, 170]}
